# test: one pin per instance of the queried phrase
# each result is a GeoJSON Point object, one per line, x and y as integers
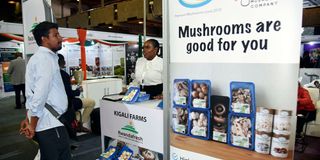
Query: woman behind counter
{"type": "Point", "coordinates": [148, 71]}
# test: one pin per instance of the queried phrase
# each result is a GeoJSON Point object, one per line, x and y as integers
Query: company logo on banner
{"type": "Point", "coordinates": [130, 133]}
{"type": "Point", "coordinates": [193, 3]}
{"type": "Point", "coordinates": [257, 4]}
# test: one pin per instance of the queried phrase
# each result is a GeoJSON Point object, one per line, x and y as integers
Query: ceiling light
{"type": "Point", "coordinates": [12, 2]}
{"type": "Point", "coordinates": [140, 22]}
{"type": "Point", "coordinates": [116, 10]}
{"type": "Point", "coordinates": [110, 27]}
{"type": "Point", "coordinates": [311, 43]}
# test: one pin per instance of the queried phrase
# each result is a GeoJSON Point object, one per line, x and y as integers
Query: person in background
{"type": "Point", "coordinates": [17, 71]}
{"type": "Point", "coordinates": [44, 86]}
{"type": "Point", "coordinates": [306, 60]}
{"type": "Point", "coordinates": [305, 109]}
{"type": "Point", "coordinates": [73, 101]}
{"type": "Point", "coordinates": [149, 69]}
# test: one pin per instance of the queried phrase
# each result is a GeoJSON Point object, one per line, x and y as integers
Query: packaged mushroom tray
{"type": "Point", "coordinates": [199, 123]}
{"type": "Point", "coordinates": [220, 109]}
{"type": "Point", "coordinates": [180, 120]}
{"type": "Point", "coordinates": [131, 95]}
{"type": "Point", "coordinates": [109, 154]}
{"type": "Point", "coordinates": [181, 91]}
{"type": "Point", "coordinates": [125, 153]}
{"type": "Point", "coordinates": [242, 98]}
{"type": "Point", "coordinates": [200, 94]}
{"type": "Point", "coordinates": [241, 131]}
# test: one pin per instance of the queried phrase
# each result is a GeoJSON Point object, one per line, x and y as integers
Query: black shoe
{"type": "Point", "coordinates": [17, 107]}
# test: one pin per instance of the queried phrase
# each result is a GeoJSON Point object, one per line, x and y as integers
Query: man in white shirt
{"type": "Point", "coordinates": [17, 71]}
{"type": "Point", "coordinates": [148, 71]}
{"type": "Point", "coordinates": [44, 85]}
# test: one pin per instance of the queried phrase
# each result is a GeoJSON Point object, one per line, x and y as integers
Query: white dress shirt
{"type": "Point", "coordinates": [44, 85]}
{"type": "Point", "coordinates": [149, 72]}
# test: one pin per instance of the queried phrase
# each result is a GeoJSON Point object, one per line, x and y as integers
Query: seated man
{"type": "Point", "coordinates": [86, 103]}
{"type": "Point", "coordinates": [305, 107]}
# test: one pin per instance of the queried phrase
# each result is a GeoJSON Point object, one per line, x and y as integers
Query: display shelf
{"type": "Point", "coordinates": [218, 150]}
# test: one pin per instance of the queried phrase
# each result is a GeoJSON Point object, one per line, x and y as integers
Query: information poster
{"type": "Point", "coordinates": [252, 42]}
{"type": "Point", "coordinates": [34, 12]}
{"type": "Point", "coordinates": [102, 59]}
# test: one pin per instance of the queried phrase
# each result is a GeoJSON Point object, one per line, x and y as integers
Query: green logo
{"type": "Point", "coordinates": [129, 128]}
{"type": "Point", "coordinates": [33, 26]}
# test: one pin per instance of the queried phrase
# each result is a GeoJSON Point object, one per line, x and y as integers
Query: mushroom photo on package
{"type": "Point", "coordinates": [180, 119]}
{"type": "Point", "coordinates": [241, 133]}
{"type": "Point", "coordinates": [199, 123]}
{"type": "Point", "coordinates": [181, 92]}
{"type": "Point", "coordinates": [241, 100]}
{"type": "Point", "coordinates": [200, 93]}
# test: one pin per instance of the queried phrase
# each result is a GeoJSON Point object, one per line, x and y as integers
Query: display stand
{"type": "Point", "coordinates": [217, 150]}
{"type": "Point", "coordinates": [139, 124]}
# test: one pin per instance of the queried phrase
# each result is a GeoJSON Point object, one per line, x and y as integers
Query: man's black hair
{"type": "Point", "coordinates": [42, 30]}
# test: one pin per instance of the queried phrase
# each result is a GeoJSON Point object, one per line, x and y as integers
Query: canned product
{"type": "Point", "coordinates": [263, 142]}
{"type": "Point", "coordinates": [282, 122]}
{"type": "Point", "coordinates": [280, 145]}
{"type": "Point", "coordinates": [264, 119]}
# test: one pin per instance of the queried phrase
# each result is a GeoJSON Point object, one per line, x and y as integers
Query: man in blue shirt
{"type": "Point", "coordinates": [44, 85]}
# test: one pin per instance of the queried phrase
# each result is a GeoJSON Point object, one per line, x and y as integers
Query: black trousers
{"type": "Point", "coordinates": [307, 117]}
{"type": "Point", "coordinates": [17, 90]}
{"type": "Point", "coordinates": [54, 144]}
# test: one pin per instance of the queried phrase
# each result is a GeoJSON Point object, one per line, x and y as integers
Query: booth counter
{"type": "Point", "coordinates": [139, 124]}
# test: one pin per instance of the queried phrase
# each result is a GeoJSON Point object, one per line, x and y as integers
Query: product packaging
{"type": "Point", "coordinates": [134, 95]}
{"type": "Point", "coordinates": [143, 97]}
{"type": "Point", "coordinates": [180, 120]}
{"type": "Point", "coordinates": [262, 142]}
{"type": "Point", "coordinates": [242, 98]}
{"type": "Point", "coordinates": [125, 153]}
{"type": "Point", "coordinates": [200, 94]}
{"type": "Point", "coordinates": [280, 145]}
{"type": "Point", "coordinates": [199, 123]}
{"type": "Point", "coordinates": [220, 109]}
{"type": "Point", "coordinates": [181, 92]}
{"type": "Point", "coordinates": [131, 95]}
{"type": "Point", "coordinates": [241, 131]}
{"type": "Point", "coordinates": [282, 122]}
{"type": "Point", "coordinates": [109, 154]}
{"type": "Point", "coordinates": [264, 122]}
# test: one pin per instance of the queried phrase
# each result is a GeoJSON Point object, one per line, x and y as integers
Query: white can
{"type": "Point", "coordinates": [282, 122]}
{"type": "Point", "coordinates": [280, 145]}
{"type": "Point", "coordinates": [264, 119]}
{"type": "Point", "coordinates": [262, 142]}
